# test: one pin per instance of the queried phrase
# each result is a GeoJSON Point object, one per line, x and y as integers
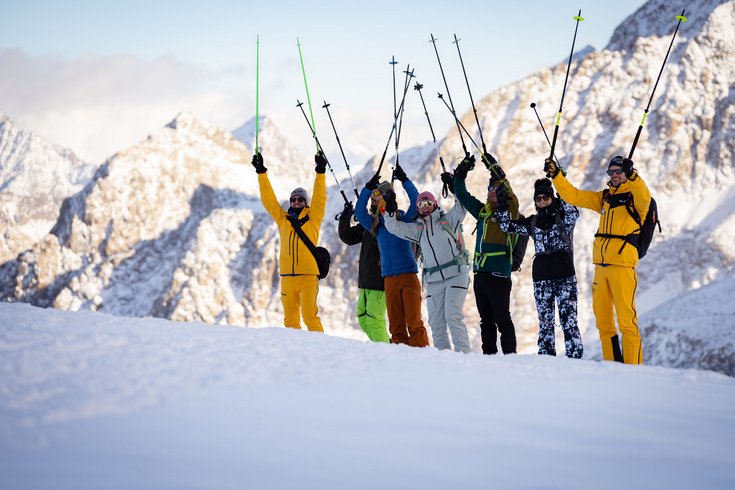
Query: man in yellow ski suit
{"type": "Point", "coordinates": [297, 266]}
{"type": "Point", "coordinates": [614, 253]}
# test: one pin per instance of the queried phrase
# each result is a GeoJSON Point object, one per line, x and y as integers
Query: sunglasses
{"type": "Point", "coordinates": [377, 193]}
{"type": "Point", "coordinates": [492, 187]}
{"type": "Point", "coordinates": [297, 199]}
{"type": "Point", "coordinates": [425, 204]}
{"type": "Point", "coordinates": [614, 171]}
{"type": "Point", "coordinates": [542, 197]}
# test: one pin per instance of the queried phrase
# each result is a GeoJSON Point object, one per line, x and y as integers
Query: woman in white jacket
{"type": "Point", "coordinates": [446, 266]}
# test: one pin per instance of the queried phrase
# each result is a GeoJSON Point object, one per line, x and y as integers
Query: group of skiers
{"type": "Point", "coordinates": [388, 277]}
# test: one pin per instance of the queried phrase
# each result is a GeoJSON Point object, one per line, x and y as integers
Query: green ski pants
{"type": "Point", "coordinates": [371, 314]}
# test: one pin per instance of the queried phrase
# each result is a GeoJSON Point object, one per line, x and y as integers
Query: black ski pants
{"type": "Point", "coordinates": [492, 295]}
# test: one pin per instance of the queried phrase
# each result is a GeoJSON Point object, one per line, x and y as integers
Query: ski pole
{"type": "Point", "coordinates": [681, 19]}
{"type": "Point", "coordinates": [492, 161]}
{"type": "Point", "coordinates": [406, 84]}
{"type": "Point", "coordinates": [578, 18]}
{"type": "Point", "coordinates": [339, 143]}
{"type": "Point", "coordinates": [418, 87]}
{"type": "Point", "coordinates": [533, 106]}
{"type": "Point", "coordinates": [393, 129]}
{"type": "Point", "coordinates": [257, 90]}
{"type": "Point", "coordinates": [393, 64]}
{"type": "Point", "coordinates": [474, 109]}
{"type": "Point", "coordinates": [300, 105]}
{"type": "Point", "coordinates": [446, 86]}
{"type": "Point", "coordinates": [306, 85]}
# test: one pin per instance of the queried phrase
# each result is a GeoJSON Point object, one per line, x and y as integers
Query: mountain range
{"type": "Point", "coordinates": [173, 226]}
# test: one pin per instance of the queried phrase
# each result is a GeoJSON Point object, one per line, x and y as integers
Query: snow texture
{"type": "Point", "coordinates": [94, 401]}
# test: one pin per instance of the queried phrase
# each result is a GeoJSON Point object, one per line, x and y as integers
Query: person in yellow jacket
{"type": "Point", "coordinates": [297, 266]}
{"type": "Point", "coordinates": [614, 253]}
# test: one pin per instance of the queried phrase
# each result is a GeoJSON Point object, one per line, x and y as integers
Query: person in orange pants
{"type": "Point", "coordinates": [397, 262]}
{"type": "Point", "coordinates": [614, 253]}
{"type": "Point", "coordinates": [297, 266]}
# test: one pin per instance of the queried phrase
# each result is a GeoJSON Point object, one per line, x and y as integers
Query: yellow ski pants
{"type": "Point", "coordinates": [298, 296]}
{"type": "Point", "coordinates": [614, 287]}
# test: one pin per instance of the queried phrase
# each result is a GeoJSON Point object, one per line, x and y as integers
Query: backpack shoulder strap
{"type": "Point", "coordinates": [297, 223]}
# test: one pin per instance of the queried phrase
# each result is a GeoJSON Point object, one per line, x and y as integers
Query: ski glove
{"type": "Point", "coordinates": [373, 183]}
{"type": "Point", "coordinates": [399, 174]}
{"type": "Point", "coordinates": [496, 172]}
{"type": "Point", "coordinates": [628, 167]}
{"type": "Point", "coordinates": [346, 213]}
{"type": "Point", "coordinates": [321, 162]}
{"type": "Point", "coordinates": [258, 164]}
{"type": "Point", "coordinates": [467, 164]}
{"type": "Point", "coordinates": [448, 180]}
{"type": "Point", "coordinates": [502, 195]}
{"type": "Point", "coordinates": [391, 206]}
{"type": "Point", "coordinates": [488, 160]}
{"type": "Point", "coordinates": [551, 168]}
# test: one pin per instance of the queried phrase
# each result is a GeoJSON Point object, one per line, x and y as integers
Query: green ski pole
{"type": "Point", "coordinates": [257, 90]}
{"type": "Point", "coordinates": [306, 85]}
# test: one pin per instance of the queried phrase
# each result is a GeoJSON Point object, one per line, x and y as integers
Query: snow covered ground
{"type": "Point", "coordinates": [101, 402]}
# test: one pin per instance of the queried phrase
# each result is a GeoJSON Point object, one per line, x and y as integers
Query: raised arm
{"type": "Point", "coordinates": [407, 231]}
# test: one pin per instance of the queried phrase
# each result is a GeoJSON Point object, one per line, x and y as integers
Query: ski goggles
{"type": "Point", "coordinates": [377, 193]}
{"type": "Point", "coordinates": [614, 171]}
{"type": "Point", "coordinates": [425, 204]}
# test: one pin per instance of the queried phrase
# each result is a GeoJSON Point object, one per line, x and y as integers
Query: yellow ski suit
{"type": "Point", "coordinates": [297, 266]}
{"type": "Point", "coordinates": [615, 281]}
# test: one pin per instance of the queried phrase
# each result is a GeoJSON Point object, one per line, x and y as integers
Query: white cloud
{"type": "Point", "coordinates": [98, 105]}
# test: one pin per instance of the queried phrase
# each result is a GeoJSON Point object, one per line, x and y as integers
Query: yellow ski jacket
{"type": "Point", "coordinates": [295, 258]}
{"type": "Point", "coordinates": [614, 220]}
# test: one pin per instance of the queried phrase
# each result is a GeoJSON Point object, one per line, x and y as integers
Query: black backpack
{"type": "Point", "coordinates": [642, 239]}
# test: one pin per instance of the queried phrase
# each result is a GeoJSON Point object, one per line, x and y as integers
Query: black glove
{"type": "Point", "coordinates": [467, 164]}
{"type": "Point", "coordinates": [258, 164]}
{"type": "Point", "coordinates": [628, 167]}
{"type": "Point", "coordinates": [399, 174]}
{"type": "Point", "coordinates": [321, 162]}
{"type": "Point", "coordinates": [502, 195]}
{"type": "Point", "coordinates": [488, 160]}
{"type": "Point", "coordinates": [391, 206]}
{"type": "Point", "coordinates": [496, 171]}
{"type": "Point", "coordinates": [448, 179]}
{"type": "Point", "coordinates": [551, 168]}
{"type": "Point", "coordinates": [373, 183]}
{"type": "Point", "coordinates": [347, 212]}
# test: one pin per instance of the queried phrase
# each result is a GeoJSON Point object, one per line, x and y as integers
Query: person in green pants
{"type": "Point", "coordinates": [371, 302]}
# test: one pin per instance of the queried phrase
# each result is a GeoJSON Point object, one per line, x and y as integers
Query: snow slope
{"type": "Point", "coordinates": [94, 401]}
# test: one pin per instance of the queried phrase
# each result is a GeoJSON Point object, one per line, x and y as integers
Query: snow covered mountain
{"type": "Point", "coordinates": [35, 177]}
{"type": "Point", "coordinates": [173, 227]}
{"type": "Point", "coordinates": [686, 152]}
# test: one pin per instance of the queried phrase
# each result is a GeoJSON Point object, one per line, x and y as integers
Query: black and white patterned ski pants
{"type": "Point", "coordinates": [563, 292]}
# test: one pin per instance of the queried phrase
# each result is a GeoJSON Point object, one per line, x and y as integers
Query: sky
{"type": "Point", "coordinates": [89, 400]}
{"type": "Point", "coordinates": [99, 76]}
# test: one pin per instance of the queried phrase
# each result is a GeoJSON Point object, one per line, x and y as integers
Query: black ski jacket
{"type": "Point", "coordinates": [369, 267]}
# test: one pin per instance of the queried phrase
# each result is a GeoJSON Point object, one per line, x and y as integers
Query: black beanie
{"type": "Point", "coordinates": [543, 186]}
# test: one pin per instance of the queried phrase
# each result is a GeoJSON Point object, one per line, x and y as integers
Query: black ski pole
{"type": "Point", "coordinates": [393, 129]}
{"type": "Point", "coordinates": [418, 87]}
{"type": "Point", "coordinates": [406, 84]}
{"type": "Point", "coordinates": [533, 106]}
{"type": "Point", "coordinates": [446, 87]}
{"type": "Point", "coordinates": [339, 143]}
{"type": "Point", "coordinates": [578, 18]}
{"type": "Point", "coordinates": [493, 162]}
{"type": "Point", "coordinates": [681, 19]}
{"type": "Point", "coordinates": [472, 100]}
{"type": "Point", "coordinates": [393, 64]}
{"type": "Point", "coordinates": [300, 105]}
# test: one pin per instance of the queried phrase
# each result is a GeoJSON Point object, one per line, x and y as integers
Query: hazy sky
{"type": "Point", "coordinates": [98, 76]}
